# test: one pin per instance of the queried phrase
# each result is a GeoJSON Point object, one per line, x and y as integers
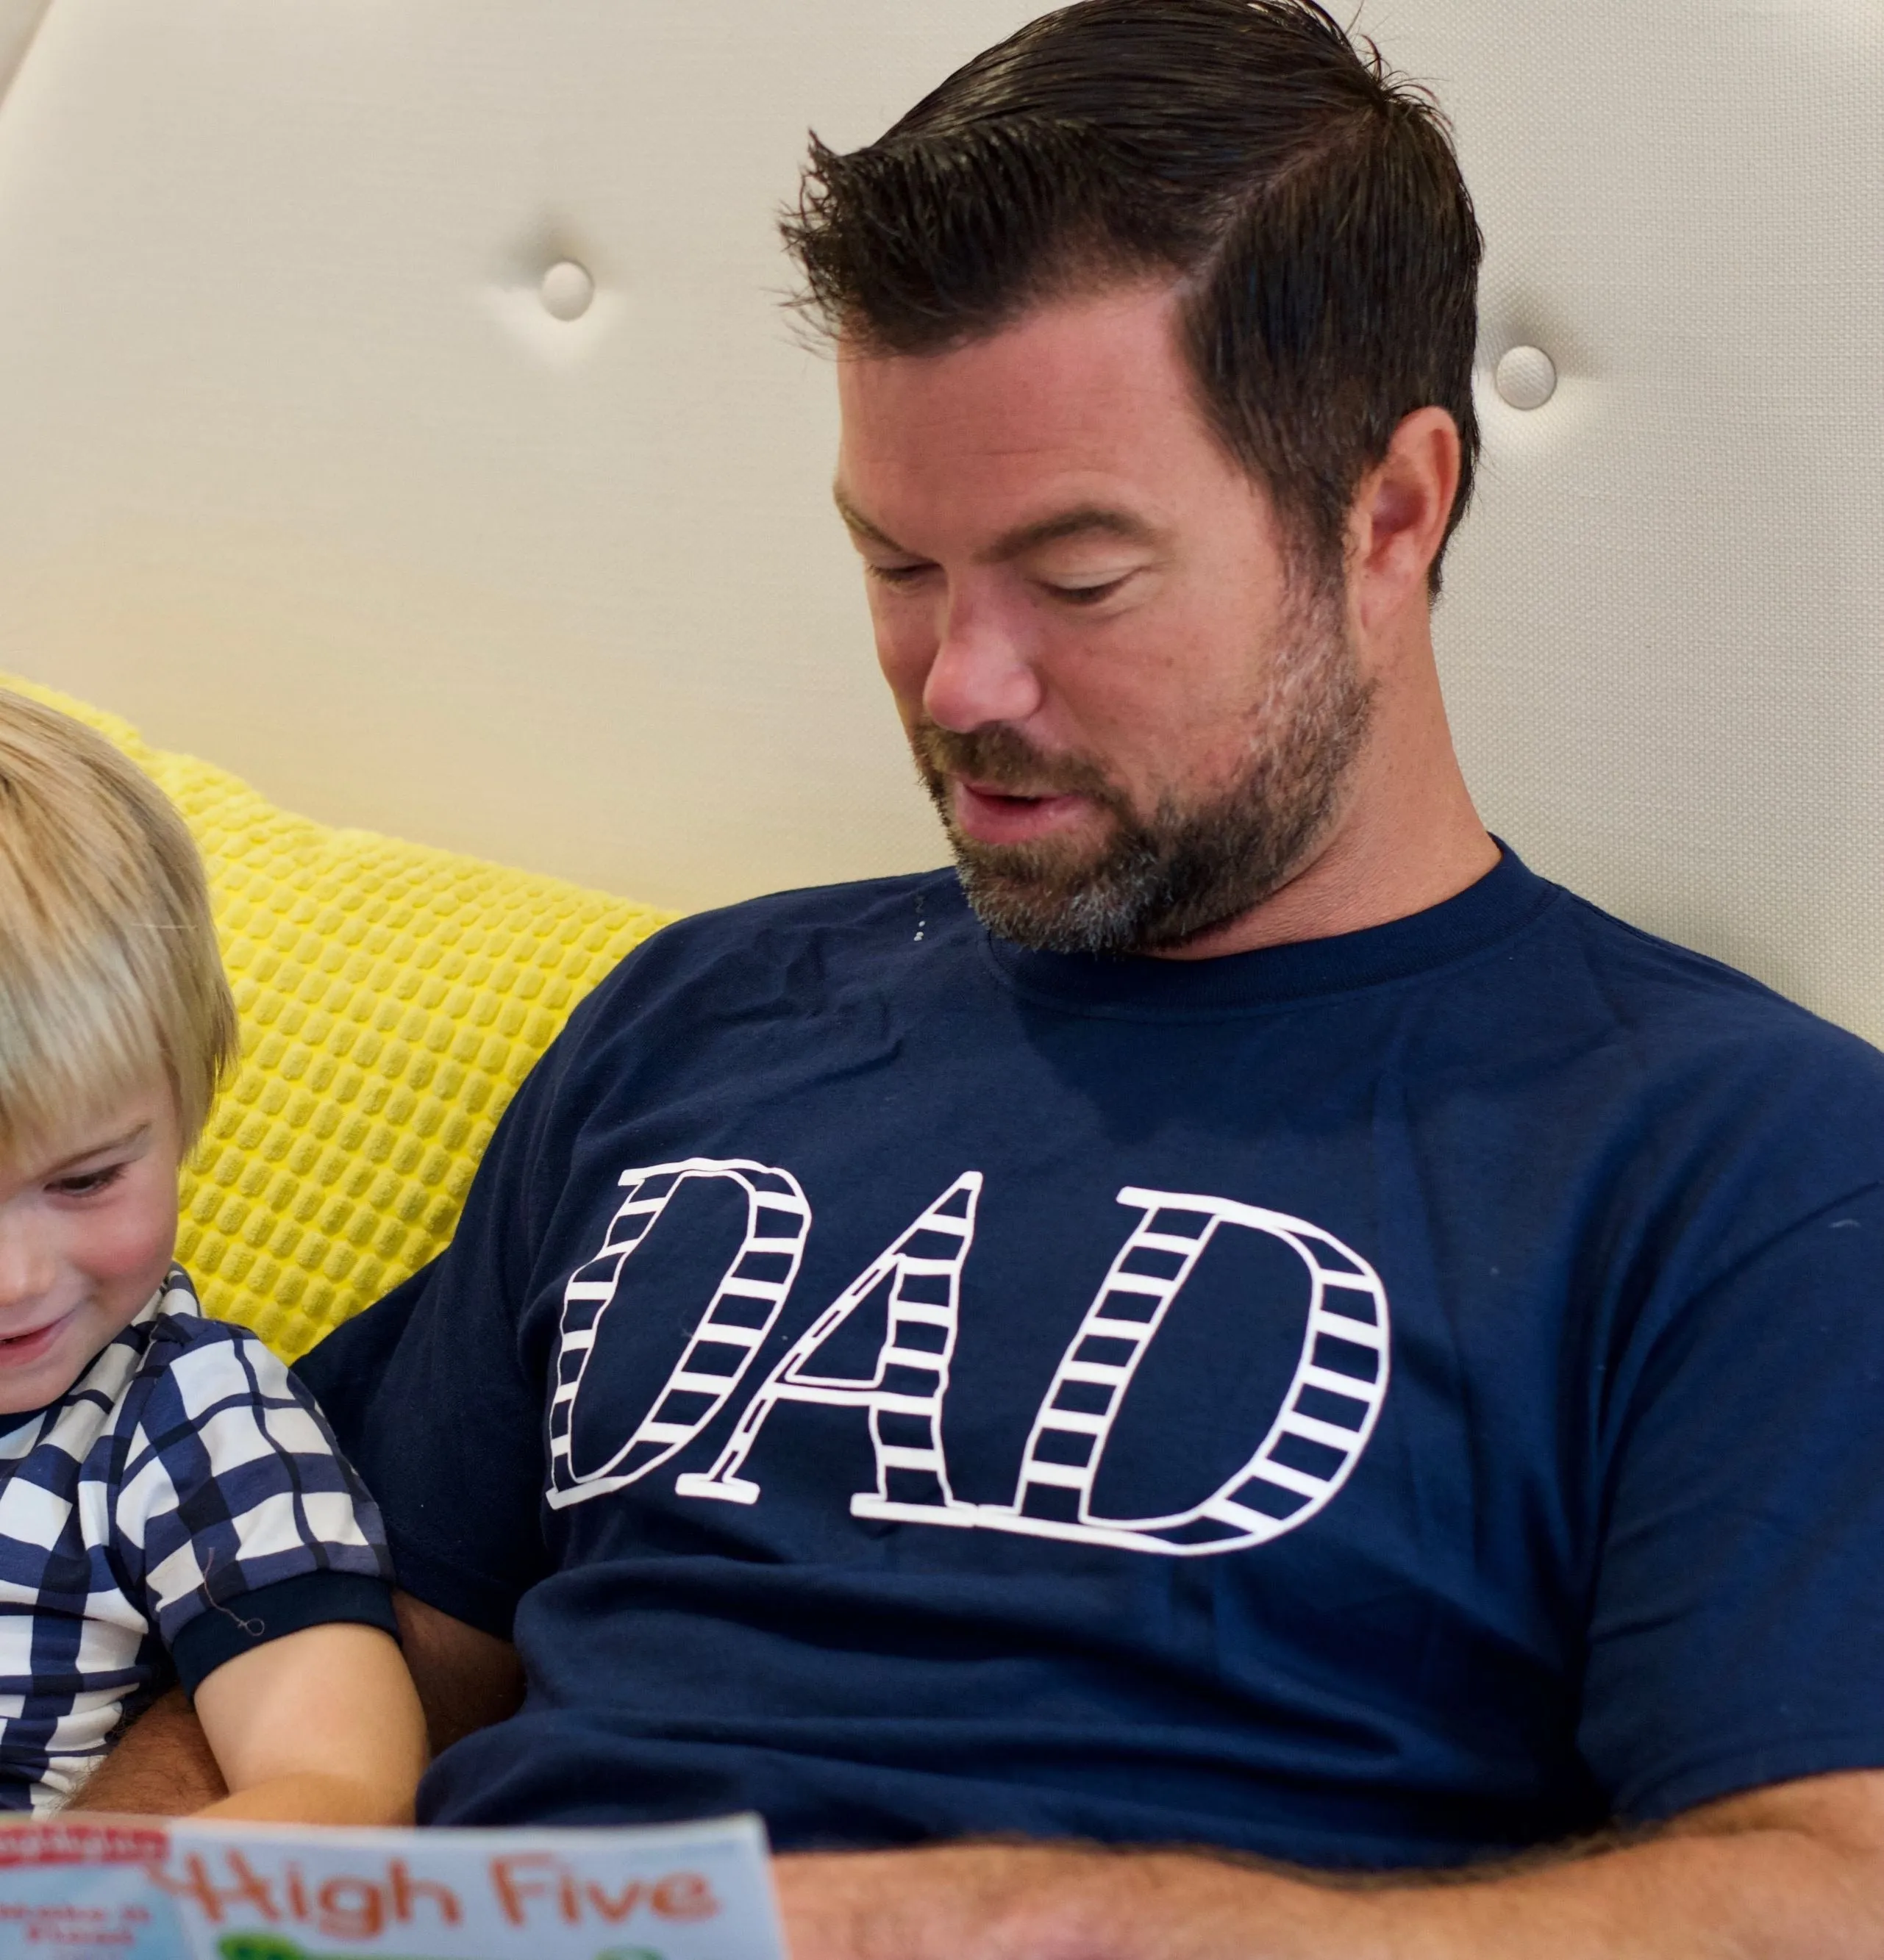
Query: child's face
{"type": "Point", "coordinates": [87, 1230]}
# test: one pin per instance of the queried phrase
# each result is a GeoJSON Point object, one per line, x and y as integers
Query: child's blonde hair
{"type": "Point", "coordinates": [109, 973]}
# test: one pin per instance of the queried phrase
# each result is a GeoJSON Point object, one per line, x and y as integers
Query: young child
{"type": "Point", "coordinates": [164, 1488]}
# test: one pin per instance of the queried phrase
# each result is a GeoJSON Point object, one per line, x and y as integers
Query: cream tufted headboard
{"type": "Point", "coordinates": [301, 469]}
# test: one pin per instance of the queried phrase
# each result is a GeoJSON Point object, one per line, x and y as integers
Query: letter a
{"type": "Point", "coordinates": [903, 1395]}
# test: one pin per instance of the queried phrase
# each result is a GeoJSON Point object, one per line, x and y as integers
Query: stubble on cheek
{"type": "Point", "coordinates": [1150, 882]}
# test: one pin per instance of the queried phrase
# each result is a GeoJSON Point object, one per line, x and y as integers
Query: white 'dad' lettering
{"type": "Point", "coordinates": [1325, 1419]}
{"type": "Point", "coordinates": [739, 1316]}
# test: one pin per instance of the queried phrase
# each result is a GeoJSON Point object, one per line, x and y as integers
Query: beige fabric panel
{"type": "Point", "coordinates": [1663, 638]}
{"type": "Point", "coordinates": [296, 470]}
{"type": "Point", "coordinates": [19, 21]}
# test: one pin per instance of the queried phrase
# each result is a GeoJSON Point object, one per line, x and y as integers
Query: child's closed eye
{"type": "Point", "coordinates": [86, 1184]}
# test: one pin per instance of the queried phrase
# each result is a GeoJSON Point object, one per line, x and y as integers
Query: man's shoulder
{"type": "Point", "coordinates": [1690, 1013]}
{"type": "Point", "coordinates": [1667, 976]}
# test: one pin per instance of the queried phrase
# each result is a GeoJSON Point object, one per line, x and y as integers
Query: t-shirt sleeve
{"type": "Point", "coordinates": [233, 1490]}
{"type": "Point", "coordinates": [1738, 1606]}
{"type": "Point", "coordinates": [432, 1398]}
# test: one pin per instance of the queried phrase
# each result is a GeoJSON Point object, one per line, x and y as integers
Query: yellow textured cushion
{"type": "Point", "coordinates": [392, 997]}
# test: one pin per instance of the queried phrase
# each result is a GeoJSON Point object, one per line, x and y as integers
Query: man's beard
{"type": "Point", "coordinates": [1159, 881]}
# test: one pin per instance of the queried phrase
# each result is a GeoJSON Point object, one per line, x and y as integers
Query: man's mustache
{"type": "Point", "coordinates": [999, 757]}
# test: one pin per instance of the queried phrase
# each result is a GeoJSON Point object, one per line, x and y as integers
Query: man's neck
{"type": "Point", "coordinates": [1408, 838]}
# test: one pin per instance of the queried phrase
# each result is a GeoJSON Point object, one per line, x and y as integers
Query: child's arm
{"type": "Point", "coordinates": [320, 1726]}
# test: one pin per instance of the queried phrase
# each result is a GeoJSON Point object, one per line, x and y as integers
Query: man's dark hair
{"type": "Point", "coordinates": [1309, 201]}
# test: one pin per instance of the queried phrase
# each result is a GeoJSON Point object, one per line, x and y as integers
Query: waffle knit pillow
{"type": "Point", "coordinates": [392, 997]}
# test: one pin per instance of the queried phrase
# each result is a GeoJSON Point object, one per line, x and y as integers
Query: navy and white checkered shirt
{"type": "Point", "coordinates": [182, 1495]}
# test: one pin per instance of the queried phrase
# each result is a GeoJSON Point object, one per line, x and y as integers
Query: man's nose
{"type": "Point", "coordinates": [983, 671]}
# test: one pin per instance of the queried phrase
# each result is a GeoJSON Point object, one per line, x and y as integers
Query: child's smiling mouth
{"type": "Point", "coordinates": [17, 1349]}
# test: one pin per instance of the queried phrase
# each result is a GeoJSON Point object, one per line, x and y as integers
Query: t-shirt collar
{"type": "Point", "coordinates": [1506, 899]}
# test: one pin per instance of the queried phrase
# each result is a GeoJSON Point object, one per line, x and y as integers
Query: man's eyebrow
{"type": "Point", "coordinates": [128, 1141]}
{"type": "Point", "coordinates": [861, 525]}
{"type": "Point", "coordinates": [1083, 520]}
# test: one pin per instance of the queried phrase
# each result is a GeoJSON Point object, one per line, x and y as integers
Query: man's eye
{"type": "Point", "coordinates": [894, 575]}
{"type": "Point", "coordinates": [88, 1184]}
{"type": "Point", "coordinates": [1090, 595]}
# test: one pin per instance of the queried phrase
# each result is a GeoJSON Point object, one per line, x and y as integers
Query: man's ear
{"type": "Point", "coordinates": [1398, 520]}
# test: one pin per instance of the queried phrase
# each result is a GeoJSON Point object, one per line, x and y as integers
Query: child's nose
{"type": "Point", "coordinates": [27, 1265]}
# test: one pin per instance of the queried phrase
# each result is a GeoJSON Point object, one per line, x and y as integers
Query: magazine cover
{"type": "Point", "coordinates": [151, 1889]}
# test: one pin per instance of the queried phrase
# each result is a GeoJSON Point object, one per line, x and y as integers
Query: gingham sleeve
{"type": "Point", "coordinates": [231, 1480]}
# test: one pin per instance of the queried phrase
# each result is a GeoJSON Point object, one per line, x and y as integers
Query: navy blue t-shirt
{"type": "Point", "coordinates": [1375, 1402]}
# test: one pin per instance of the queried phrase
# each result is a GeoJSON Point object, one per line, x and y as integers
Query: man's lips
{"type": "Point", "coordinates": [17, 1350]}
{"type": "Point", "coordinates": [992, 813]}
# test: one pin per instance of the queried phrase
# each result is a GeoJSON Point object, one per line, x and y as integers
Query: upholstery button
{"type": "Point", "coordinates": [567, 290]}
{"type": "Point", "coordinates": [1526, 377]}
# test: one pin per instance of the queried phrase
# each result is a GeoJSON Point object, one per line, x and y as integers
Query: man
{"type": "Point", "coordinates": [1240, 1318]}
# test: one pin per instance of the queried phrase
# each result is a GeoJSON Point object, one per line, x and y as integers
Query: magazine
{"type": "Point", "coordinates": [100, 1887]}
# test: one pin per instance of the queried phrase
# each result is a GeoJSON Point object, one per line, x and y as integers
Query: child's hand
{"type": "Point", "coordinates": [321, 1726]}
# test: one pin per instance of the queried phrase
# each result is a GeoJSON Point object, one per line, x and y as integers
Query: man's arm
{"type": "Point", "coordinates": [1794, 1871]}
{"type": "Point", "coordinates": [164, 1766]}
{"type": "Point", "coordinates": [466, 1678]}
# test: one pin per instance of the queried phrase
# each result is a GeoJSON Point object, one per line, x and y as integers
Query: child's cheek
{"type": "Point", "coordinates": [127, 1247]}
